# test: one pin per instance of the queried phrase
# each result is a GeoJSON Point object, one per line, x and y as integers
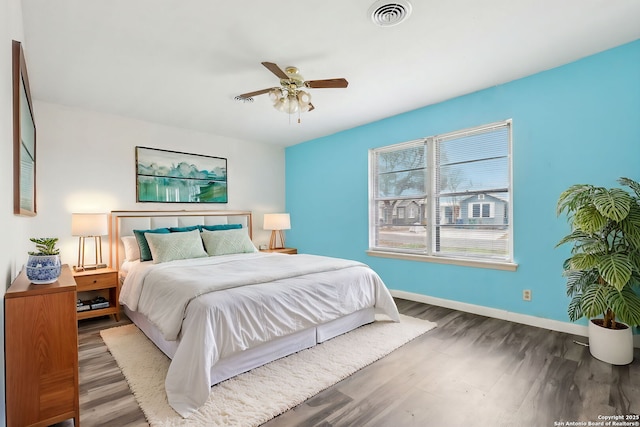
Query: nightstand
{"type": "Point", "coordinates": [100, 282]}
{"type": "Point", "coordinates": [290, 251]}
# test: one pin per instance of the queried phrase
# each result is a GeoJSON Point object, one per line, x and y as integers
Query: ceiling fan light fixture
{"type": "Point", "coordinates": [385, 13]}
{"type": "Point", "coordinates": [281, 104]}
{"type": "Point", "coordinates": [275, 94]}
{"type": "Point", "coordinates": [304, 99]}
{"type": "Point", "coordinates": [286, 104]}
{"type": "Point", "coordinates": [290, 102]}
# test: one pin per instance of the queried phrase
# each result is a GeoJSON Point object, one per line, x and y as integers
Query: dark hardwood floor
{"type": "Point", "coordinates": [469, 371]}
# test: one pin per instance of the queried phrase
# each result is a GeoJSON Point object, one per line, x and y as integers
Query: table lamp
{"type": "Point", "coordinates": [276, 223]}
{"type": "Point", "coordinates": [86, 225]}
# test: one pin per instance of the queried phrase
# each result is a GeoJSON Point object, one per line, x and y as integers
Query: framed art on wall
{"type": "Point", "coordinates": [24, 137]}
{"type": "Point", "coordinates": [174, 177]}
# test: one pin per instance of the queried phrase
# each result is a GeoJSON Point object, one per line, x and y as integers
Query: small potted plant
{"type": "Point", "coordinates": [603, 272]}
{"type": "Point", "coordinates": [44, 265]}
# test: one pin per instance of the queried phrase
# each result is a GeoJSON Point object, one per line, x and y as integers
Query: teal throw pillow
{"type": "Point", "coordinates": [184, 229]}
{"type": "Point", "coordinates": [220, 227]}
{"type": "Point", "coordinates": [145, 251]}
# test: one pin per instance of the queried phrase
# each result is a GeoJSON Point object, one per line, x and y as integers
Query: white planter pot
{"type": "Point", "coordinates": [613, 346]}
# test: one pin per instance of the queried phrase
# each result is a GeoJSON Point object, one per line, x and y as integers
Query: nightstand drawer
{"type": "Point", "coordinates": [97, 281]}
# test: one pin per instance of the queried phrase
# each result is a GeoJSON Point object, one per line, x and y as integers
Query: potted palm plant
{"type": "Point", "coordinates": [603, 271]}
{"type": "Point", "coordinates": [44, 264]}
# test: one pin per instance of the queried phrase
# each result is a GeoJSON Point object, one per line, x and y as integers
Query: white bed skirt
{"type": "Point", "coordinates": [252, 358]}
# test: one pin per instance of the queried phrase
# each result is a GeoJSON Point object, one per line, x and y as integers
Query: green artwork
{"type": "Point", "coordinates": [174, 177]}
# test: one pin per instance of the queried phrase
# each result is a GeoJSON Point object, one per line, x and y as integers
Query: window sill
{"type": "Point", "coordinates": [495, 265]}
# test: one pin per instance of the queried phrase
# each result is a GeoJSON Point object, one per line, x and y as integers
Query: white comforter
{"type": "Point", "coordinates": [265, 296]}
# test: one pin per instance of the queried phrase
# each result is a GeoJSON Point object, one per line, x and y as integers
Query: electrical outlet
{"type": "Point", "coordinates": [526, 294]}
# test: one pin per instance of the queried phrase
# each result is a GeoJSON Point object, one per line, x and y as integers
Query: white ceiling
{"type": "Point", "coordinates": [182, 62]}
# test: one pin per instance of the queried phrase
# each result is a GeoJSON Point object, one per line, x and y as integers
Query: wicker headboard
{"type": "Point", "coordinates": [124, 222]}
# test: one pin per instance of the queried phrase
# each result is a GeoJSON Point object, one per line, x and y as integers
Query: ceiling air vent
{"type": "Point", "coordinates": [387, 14]}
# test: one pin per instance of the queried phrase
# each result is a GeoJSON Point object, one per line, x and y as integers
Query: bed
{"type": "Point", "coordinates": [218, 307]}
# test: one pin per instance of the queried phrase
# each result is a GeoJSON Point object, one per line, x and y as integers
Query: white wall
{"type": "Point", "coordinates": [86, 163]}
{"type": "Point", "coordinates": [15, 229]}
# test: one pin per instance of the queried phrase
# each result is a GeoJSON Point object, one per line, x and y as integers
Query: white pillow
{"type": "Point", "coordinates": [225, 242]}
{"type": "Point", "coordinates": [173, 246]}
{"type": "Point", "coordinates": [131, 248]}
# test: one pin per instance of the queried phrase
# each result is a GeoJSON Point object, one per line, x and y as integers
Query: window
{"type": "Point", "coordinates": [459, 185]}
{"type": "Point", "coordinates": [481, 210]}
{"type": "Point", "coordinates": [412, 210]}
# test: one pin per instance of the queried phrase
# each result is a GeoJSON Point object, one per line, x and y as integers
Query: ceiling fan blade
{"type": "Point", "coordinates": [256, 93]}
{"type": "Point", "coordinates": [325, 84]}
{"type": "Point", "coordinates": [275, 70]}
{"type": "Point", "coordinates": [311, 108]}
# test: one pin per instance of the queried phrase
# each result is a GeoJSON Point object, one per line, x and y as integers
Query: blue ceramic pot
{"type": "Point", "coordinates": [43, 269]}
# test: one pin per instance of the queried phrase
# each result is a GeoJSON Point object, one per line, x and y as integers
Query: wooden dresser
{"type": "Point", "coordinates": [41, 352]}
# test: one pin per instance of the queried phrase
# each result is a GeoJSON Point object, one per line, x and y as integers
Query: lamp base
{"type": "Point", "coordinates": [273, 242]}
{"type": "Point", "coordinates": [88, 267]}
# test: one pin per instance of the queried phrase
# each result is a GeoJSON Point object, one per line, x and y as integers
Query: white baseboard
{"type": "Point", "coordinates": [525, 319]}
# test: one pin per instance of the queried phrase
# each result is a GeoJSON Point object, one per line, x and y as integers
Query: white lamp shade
{"type": "Point", "coordinates": [89, 224]}
{"type": "Point", "coordinates": [279, 221]}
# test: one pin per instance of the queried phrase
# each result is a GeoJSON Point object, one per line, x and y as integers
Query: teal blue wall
{"type": "Point", "coordinates": [579, 123]}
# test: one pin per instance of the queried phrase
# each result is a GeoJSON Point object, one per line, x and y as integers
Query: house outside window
{"type": "Point", "coordinates": [461, 181]}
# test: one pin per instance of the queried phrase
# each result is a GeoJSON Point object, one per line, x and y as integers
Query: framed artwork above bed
{"type": "Point", "coordinates": [173, 177]}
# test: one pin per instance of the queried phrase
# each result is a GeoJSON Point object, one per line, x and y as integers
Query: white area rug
{"type": "Point", "coordinates": [257, 396]}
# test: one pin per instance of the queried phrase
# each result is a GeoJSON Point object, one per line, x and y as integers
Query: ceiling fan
{"type": "Point", "coordinates": [290, 97]}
